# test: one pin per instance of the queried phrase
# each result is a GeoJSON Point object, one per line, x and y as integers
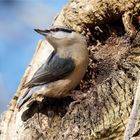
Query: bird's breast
{"type": "Point", "coordinates": [61, 88]}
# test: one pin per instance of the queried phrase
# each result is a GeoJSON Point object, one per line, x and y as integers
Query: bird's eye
{"type": "Point", "coordinates": [60, 34]}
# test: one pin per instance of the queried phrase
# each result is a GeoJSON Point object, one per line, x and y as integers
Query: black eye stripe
{"type": "Point", "coordinates": [55, 29]}
{"type": "Point", "coordinates": [62, 29]}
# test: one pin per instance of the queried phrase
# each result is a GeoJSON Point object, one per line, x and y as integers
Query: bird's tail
{"type": "Point", "coordinates": [24, 98]}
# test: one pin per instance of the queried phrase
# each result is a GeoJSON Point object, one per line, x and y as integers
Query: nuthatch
{"type": "Point", "coordinates": [64, 70]}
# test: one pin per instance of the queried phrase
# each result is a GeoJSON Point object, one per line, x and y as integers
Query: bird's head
{"type": "Point", "coordinates": [61, 36]}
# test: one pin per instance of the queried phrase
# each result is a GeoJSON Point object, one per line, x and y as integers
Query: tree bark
{"type": "Point", "coordinates": [108, 89]}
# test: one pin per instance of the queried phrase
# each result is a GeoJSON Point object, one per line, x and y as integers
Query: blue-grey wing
{"type": "Point", "coordinates": [54, 69]}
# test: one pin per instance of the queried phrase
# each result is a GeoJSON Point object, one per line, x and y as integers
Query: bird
{"type": "Point", "coordinates": [63, 70]}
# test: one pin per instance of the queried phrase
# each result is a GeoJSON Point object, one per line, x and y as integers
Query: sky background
{"type": "Point", "coordinates": [18, 40]}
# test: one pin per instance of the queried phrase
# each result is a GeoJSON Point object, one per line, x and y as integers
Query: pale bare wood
{"type": "Point", "coordinates": [134, 116]}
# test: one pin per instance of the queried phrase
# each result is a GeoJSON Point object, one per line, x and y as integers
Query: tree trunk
{"type": "Point", "coordinates": [108, 89]}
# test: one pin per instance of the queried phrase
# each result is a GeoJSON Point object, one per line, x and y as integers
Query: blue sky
{"type": "Point", "coordinates": [18, 40]}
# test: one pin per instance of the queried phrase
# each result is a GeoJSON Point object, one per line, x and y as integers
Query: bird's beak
{"type": "Point", "coordinates": [42, 32]}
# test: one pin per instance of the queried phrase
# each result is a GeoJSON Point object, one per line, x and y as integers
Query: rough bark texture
{"type": "Point", "coordinates": [108, 89]}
